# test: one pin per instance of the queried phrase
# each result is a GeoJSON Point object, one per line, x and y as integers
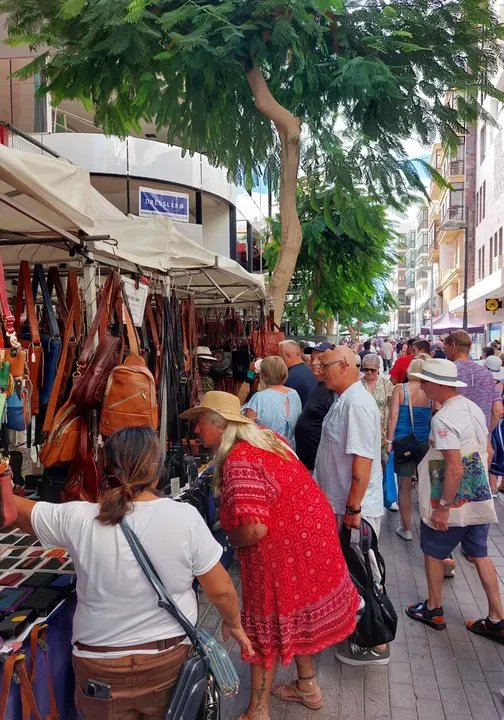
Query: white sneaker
{"type": "Point", "coordinates": [394, 507]}
{"type": "Point", "coordinates": [405, 534]}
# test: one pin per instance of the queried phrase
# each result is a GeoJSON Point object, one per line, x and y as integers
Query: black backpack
{"type": "Point", "coordinates": [377, 623]}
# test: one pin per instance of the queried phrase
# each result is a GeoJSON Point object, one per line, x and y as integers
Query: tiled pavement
{"type": "Point", "coordinates": [433, 675]}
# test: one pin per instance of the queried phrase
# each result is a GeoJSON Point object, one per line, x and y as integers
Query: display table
{"type": "Point", "coordinates": [59, 635]}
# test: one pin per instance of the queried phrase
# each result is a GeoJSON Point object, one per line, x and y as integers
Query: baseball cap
{"type": "Point", "coordinates": [318, 347]}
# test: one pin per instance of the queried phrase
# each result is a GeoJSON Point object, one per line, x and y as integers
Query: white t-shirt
{"type": "Point", "coordinates": [387, 351]}
{"type": "Point", "coordinates": [116, 604]}
{"type": "Point", "coordinates": [351, 427]}
{"type": "Point", "coordinates": [452, 426]}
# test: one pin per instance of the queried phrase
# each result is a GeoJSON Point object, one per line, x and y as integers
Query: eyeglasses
{"type": "Point", "coordinates": [372, 370]}
{"type": "Point", "coordinates": [333, 362]}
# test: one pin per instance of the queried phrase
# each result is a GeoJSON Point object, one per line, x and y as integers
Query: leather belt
{"type": "Point", "coordinates": [155, 645]}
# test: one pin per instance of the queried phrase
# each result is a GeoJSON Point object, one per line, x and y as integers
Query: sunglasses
{"type": "Point", "coordinates": [333, 362]}
{"type": "Point", "coordinates": [372, 370]}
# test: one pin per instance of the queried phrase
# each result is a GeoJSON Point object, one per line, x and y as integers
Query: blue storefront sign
{"type": "Point", "coordinates": [153, 203]}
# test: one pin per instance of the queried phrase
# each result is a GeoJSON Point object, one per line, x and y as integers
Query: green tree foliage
{"type": "Point", "coordinates": [346, 256]}
{"type": "Point", "coordinates": [260, 85]}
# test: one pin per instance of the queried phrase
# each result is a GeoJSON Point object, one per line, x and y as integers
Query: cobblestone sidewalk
{"type": "Point", "coordinates": [433, 675]}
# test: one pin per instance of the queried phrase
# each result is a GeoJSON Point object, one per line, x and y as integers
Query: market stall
{"type": "Point", "coordinates": [91, 303]}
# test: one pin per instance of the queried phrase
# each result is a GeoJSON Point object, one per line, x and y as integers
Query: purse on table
{"type": "Point", "coordinates": [208, 671]}
{"type": "Point", "coordinates": [408, 448]}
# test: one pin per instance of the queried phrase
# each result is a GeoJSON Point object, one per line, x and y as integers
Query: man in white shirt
{"type": "Point", "coordinates": [387, 353]}
{"type": "Point", "coordinates": [454, 426]}
{"type": "Point", "coordinates": [348, 465]}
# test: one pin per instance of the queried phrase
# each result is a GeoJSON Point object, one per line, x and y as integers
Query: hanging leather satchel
{"type": "Point", "coordinates": [93, 368]}
{"type": "Point", "coordinates": [15, 355]}
{"type": "Point", "coordinates": [83, 474]}
{"type": "Point", "coordinates": [29, 333]}
{"type": "Point", "coordinates": [51, 342]}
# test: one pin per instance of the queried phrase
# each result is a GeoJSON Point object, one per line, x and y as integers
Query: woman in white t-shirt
{"type": "Point", "coordinates": [121, 637]}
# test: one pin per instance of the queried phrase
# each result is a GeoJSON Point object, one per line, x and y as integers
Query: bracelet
{"type": "Point", "coordinates": [353, 511]}
{"type": "Point", "coordinates": [390, 441]}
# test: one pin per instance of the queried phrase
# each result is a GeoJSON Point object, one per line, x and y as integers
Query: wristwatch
{"type": "Point", "coordinates": [444, 504]}
{"type": "Point", "coordinates": [353, 511]}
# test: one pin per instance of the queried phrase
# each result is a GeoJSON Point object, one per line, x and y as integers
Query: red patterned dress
{"type": "Point", "coordinates": [298, 597]}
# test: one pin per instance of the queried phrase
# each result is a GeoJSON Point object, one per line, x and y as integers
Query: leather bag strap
{"type": "Point", "coordinates": [28, 702]}
{"type": "Point", "coordinates": [53, 399]}
{"type": "Point", "coordinates": [24, 290]}
{"type": "Point", "coordinates": [8, 671]}
{"type": "Point", "coordinates": [72, 293]}
{"type": "Point", "coordinates": [109, 295]}
{"type": "Point", "coordinates": [39, 279]}
{"type": "Point", "coordinates": [7, 315]}
{"type": "Point", "coordinates": [38, 639]}
{"type": "Point", "coordinates": [54, 283]}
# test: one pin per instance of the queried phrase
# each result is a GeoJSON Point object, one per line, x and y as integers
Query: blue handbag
{"type": "Point", "coordinates": [389, 484]}
{"type": "Point", "coordinates": [17, 407]}
{"type": "Point", "coordinates": [51, 343]}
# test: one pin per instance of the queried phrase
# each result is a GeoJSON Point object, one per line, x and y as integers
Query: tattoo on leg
{"type": "Point", "coordinates": [260, 692]}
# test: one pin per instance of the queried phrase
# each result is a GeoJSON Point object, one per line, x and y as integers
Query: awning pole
{"type": "Point", "coordinates": [215, 285]}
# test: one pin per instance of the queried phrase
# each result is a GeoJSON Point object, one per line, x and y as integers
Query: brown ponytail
{"type": "Point", "coordinates": [132, 465]}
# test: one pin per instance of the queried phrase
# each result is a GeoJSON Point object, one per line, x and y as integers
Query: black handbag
{"type": "Point", "coordinates": [408, 448]}
{"type": "Point", "coordinates": [205, 675]}
{"type": "Point", "coordinates": [377, 623]}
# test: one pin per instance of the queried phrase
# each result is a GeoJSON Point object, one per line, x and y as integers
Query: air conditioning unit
{"type": "Point", "coordinates": [497, 263]}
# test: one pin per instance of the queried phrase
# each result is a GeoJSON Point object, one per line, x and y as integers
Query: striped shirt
{"type": "Point", "coordinates": [481, 387]}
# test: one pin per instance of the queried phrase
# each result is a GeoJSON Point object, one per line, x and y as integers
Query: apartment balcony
{"type": "Point", "coordinates": [422, 275]}
{"type": "Point", "coordinates": [411, 265]}
{"type": "Point", "coordinates": [453, 170]}
{"type": "Point", "coordinates": [452, 223]}
{"type": "Point", "coordinates": [422, 250]}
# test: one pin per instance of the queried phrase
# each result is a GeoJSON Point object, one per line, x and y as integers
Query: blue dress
{"type": "Point", "coordinates": [270, 407]}
{"type": "Point", "coordinates": [421, 418]}
{"type": "Point", "coordinates": [497, 438]}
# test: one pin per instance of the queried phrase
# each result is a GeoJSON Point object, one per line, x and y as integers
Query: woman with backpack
{"type": "Point", "coordinates": [409, 421]}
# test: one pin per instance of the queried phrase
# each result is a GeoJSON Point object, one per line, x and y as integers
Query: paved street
{"type": "Point", "coordinates": [436, 675]}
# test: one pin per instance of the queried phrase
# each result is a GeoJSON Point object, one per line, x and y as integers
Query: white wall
{"type": "Point", "coordinates": [216, 228]}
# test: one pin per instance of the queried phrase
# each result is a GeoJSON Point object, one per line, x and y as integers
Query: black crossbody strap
{"type": "Point", "coordinates": [152, 576]}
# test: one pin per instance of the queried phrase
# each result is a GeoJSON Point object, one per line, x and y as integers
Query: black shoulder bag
{"type": "Point", "coordinates": [408, 448]}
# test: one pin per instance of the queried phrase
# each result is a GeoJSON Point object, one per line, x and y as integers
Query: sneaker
{"type": "Point", "coordinates": [352, 654]}
{"type": "Point", "coordinates": [449, 567]}
{"type": "Point", "coordinates": [394, 507]}
{"type": "Point", "coordinates": [433, 618]}
{"type": "Point", "coordinates": [405, 534]}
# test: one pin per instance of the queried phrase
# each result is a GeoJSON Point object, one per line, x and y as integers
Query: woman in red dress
{"type": "Point", "coordinates": [298, 598]}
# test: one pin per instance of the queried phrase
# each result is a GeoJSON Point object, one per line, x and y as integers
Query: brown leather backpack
{"type": "Point", "coordinates": [130, 398]}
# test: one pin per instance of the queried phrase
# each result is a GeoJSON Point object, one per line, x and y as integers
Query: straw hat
{"type": "Point", "coordinates": [441, 372]}
{"type": "Point", "coordinates": [224, 404]}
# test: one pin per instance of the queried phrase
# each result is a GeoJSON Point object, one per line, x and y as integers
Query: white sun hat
{"type": "Point", "coordinates": [204, 353]}
{"type": "Point", "coordinates": [439, 371]}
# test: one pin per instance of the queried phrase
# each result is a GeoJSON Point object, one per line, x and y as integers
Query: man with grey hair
{"type": "Point", "coordinates": [300, 378]}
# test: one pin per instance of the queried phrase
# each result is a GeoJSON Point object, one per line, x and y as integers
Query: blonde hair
{"type": "Point", "coordinates": [416, 365]}
{"type": "Point", "coordinates": [248, 432]}
{"type": "Point", "coordinates": [273, 370]}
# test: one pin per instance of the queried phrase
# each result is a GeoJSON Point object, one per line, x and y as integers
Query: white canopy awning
{"type": "Point", "coordinates": [51, 200]}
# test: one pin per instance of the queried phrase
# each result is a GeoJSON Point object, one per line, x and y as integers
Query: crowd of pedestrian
{"type": "Point", "coordinates": [299, 465]}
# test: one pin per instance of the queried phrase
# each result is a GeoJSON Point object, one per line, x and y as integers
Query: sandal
{"type": "Point", "coordinates": [300, 697]}
{"type": "Point", "coordinates": [433, 618]}
{"type": "Point", "coordinates": [487, 628]}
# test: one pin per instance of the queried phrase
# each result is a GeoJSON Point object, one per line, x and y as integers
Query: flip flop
{"type": "Point", "coordinates": [479, 627]}
{"type": "Point", "coordinates": [300, 697]}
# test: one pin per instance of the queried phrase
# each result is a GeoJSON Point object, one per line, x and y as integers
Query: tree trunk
{"type": "Point", "coordinates": [289, 130]}
{"type": "Point", "coordinates": [330, 325]}
{"type": "Point", "coordinates": [319, 327]}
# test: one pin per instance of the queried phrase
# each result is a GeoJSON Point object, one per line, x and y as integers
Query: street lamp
{"type": "Point", "coordinates": [461, 225]}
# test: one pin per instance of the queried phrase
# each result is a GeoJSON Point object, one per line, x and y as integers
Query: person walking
{"type": "Point", "coordinates": [381, 389]}
{"type": "Point", "coordinates": [494, 364]}
{"type": "Point", "coordinates": [348, 466]}
{"type": "Point", "coordinates": [275, 406]}
{"type": "Point", "coordinates": [399, 372]}
{"type": "Point", "coordinates": [298, 597]}
{"type": "Point", "coordinates": [387, 352]}
{"type": "Point", "coordinates": [366, 349]}
{"type": "Point", "coordinates": [300, 376]}
{"type": "Point", "coordinates": [121, 637]}
{"type": "Point", "coordinates": [309, 426]}
{"type": "Point", "coordinates": [455, 499]}
{"type": "Point", "coordinates": [410, 412]}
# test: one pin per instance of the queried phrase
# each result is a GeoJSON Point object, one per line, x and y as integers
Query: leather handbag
{"type": "Point", "coordinates": [83, 474]}
{"type": "Point", "coordinates": [408, 448]}
{"type": "Point", "coordinates": [62, 442]}
{"type": "Point", "coordinates": [29, 334]}
{"type": "Point", "coordinates": [51, 342]}
{"type": "Point", "coordinates": [8, 510]}
{"type": "Point", "coordinates": [208, 672]}
{"type": "Point", "coordinates": [93, 368]}
{"type": "Point", "coordinates": [15, 355]}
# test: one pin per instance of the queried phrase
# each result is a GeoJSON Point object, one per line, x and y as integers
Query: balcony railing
{"type": "Point", "coordinates": [456, 167]}
{"type": "Point", "coordinates": [454, 214]}
{"type": "Point", "coordinates": [423, 250]}
{"type": "Point", "coordinates": [410, 282]}
{"type": "Point", "coordinates": [411, 265]}
{"type": "Point", "coordinates": [433, 238]}
{"type": "Point", "coordinates": [422, 274]}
